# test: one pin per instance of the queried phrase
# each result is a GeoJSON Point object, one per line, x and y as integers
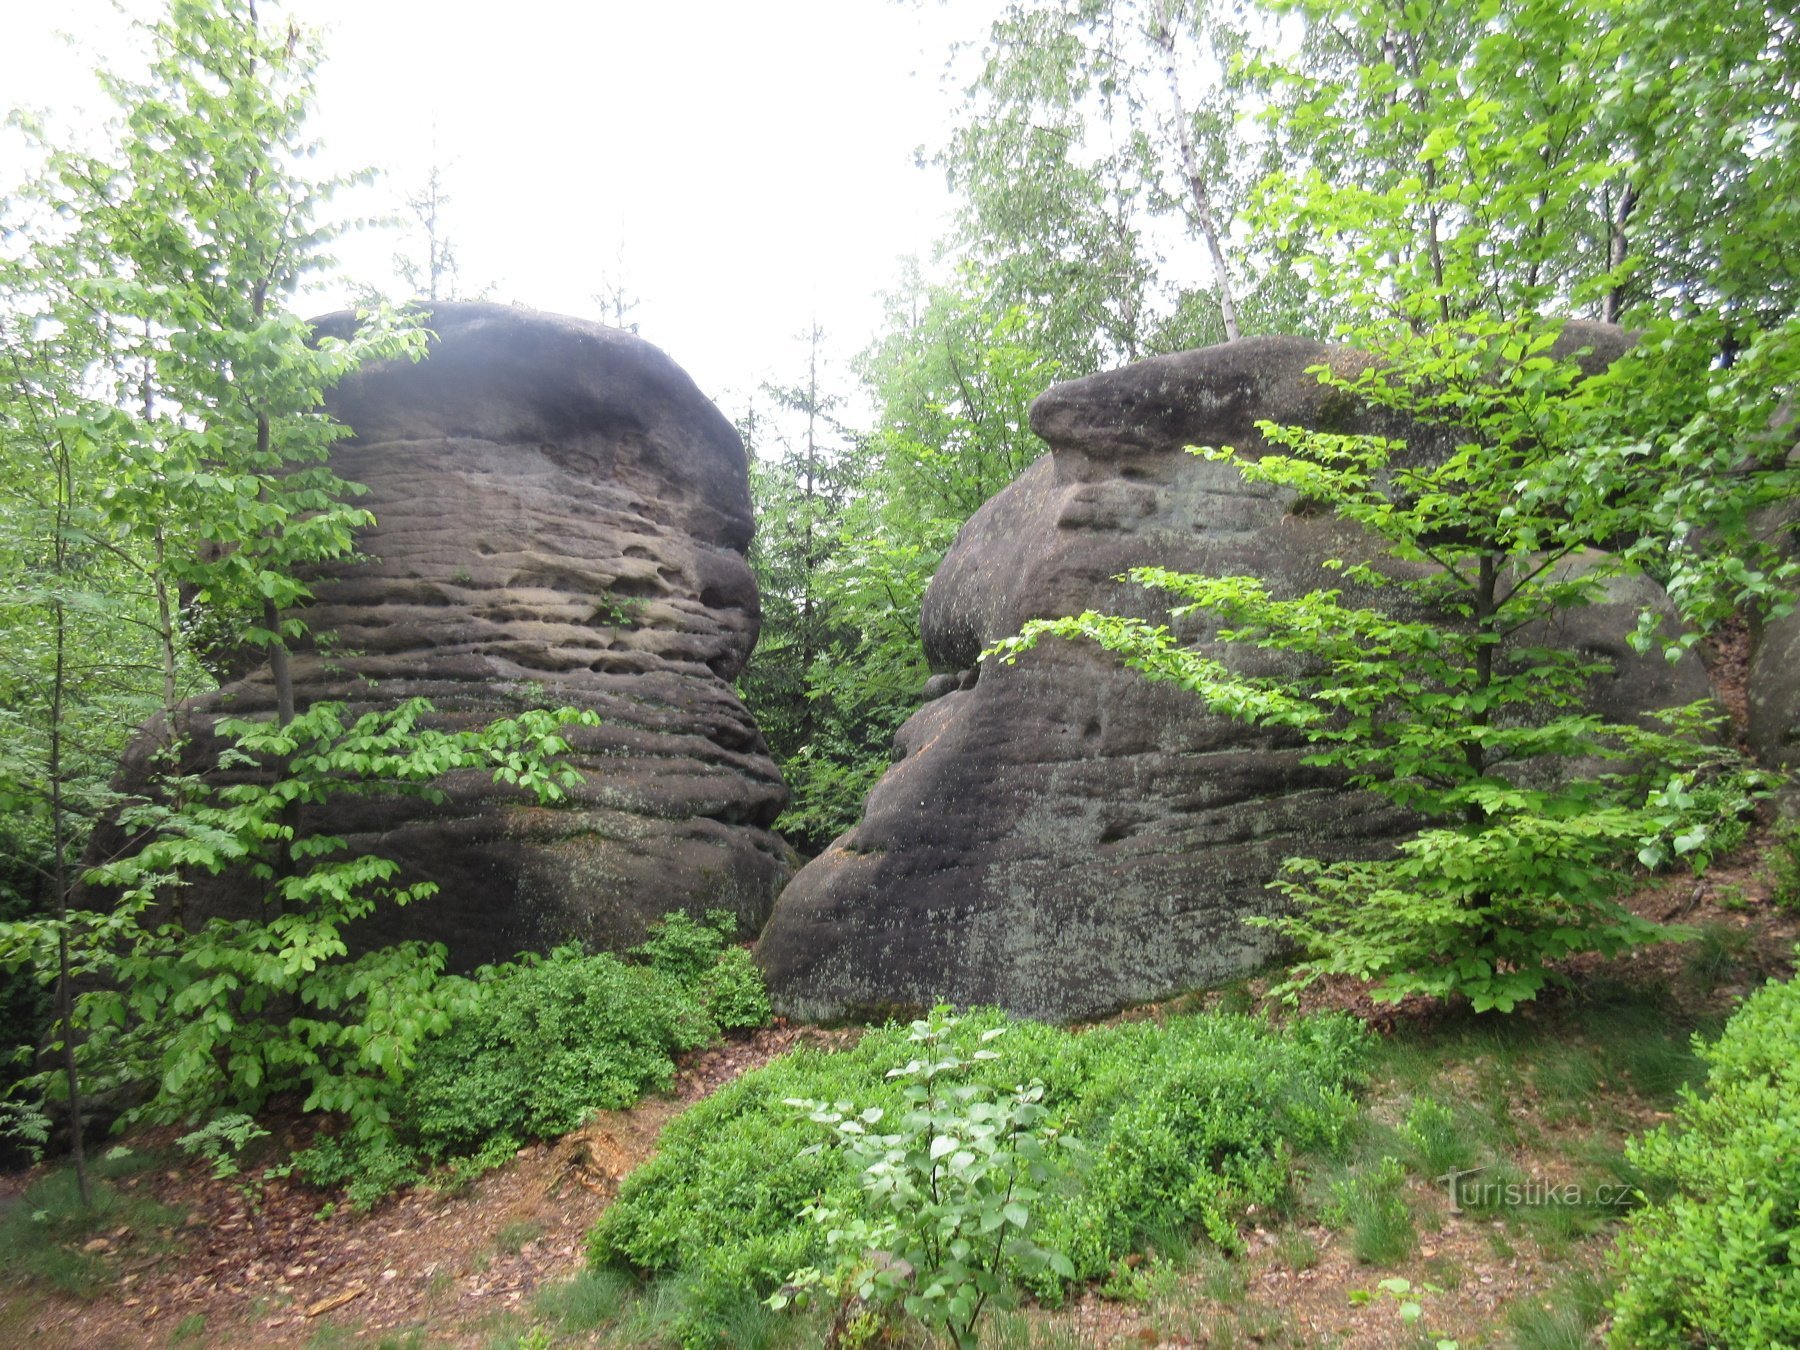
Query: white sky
{"type": "Point", "coordinates": [753, 158]}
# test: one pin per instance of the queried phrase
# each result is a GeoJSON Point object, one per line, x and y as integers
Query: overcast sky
{"type": "Point", "coordinates": [750, 161]}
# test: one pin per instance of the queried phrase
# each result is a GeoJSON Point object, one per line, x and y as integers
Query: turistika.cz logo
{"type": "Point", "coordinates": [1467, 1191]}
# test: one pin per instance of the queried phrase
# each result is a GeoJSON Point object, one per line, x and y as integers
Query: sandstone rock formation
{"type": "Point", "coordinates": [562, 520]}
{"type": "Point", "coordinates": [1061, 836]}
{"type": "Point", "coordinates": [1774, 675]}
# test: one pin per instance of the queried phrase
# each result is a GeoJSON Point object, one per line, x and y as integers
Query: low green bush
{"type": "Point", "coordinates": [1718, 1261]}
{"type": "Point", "coordinates": [1187, 1124]}
{"type": "Point", "coordinates": [536, 1044]}
{"type": "Point", "coordinates": [546, 1040]}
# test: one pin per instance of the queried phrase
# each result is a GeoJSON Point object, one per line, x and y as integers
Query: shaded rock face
{"type": "Point", "coordinates": [562, 519]}
{"type": "Point", "coordinates": [1061, 836]}
{"type": "Point", "coordinates": [1774, 693]}
{"type": "Point", "coordinates": [1774, 675]}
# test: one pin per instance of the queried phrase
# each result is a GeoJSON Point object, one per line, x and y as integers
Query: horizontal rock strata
{"type": "Point", "coordinates": [562, 520]}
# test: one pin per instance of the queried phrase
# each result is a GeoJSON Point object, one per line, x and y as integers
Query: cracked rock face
{"type": "Point", "coordinates": [1062, 837]}
{"type": "Point", "coordinates": [562, 519]}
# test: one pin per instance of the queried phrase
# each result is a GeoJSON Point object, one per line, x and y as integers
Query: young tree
{"type": "Point", "coordinates": [435, 277]}
{"type": "Point", "coordinates": [1449, 177]}
{"type": "Point", "coordinates": [803, 470]}
{"type": "Point", "coordinates": [1436, 678]}
{"type": "Point", "coordinates": [177, 424]}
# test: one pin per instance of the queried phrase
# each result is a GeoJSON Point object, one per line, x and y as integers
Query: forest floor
{"type": "Point", "coordinates": [1547, 1097]}
{"type": "Point", "coordinates": [1542, 1101]}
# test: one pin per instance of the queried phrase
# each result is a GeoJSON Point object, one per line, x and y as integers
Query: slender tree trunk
{"type": "Point", "coordinates": [808, 718]}
{"type": "Point", "coordinates": [1487, 584]}
{"type": "Point", "coordinates": [59, 825]}
{"type": "Point", "coordinates": [1618, 245]}
{"type": "Point", "coordinates": [1162, 33]}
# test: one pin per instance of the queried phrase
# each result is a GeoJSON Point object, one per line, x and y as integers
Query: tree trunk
{"type": "Point", "coordinates": [1163, 35]}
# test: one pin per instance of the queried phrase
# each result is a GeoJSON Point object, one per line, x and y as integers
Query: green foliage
{"type": "Point", "coordinates": [368, 1170]}
{"type": "Point", "coordinates": [853, 528]}
{"type": "Point", "coordinates": [529, 1049]}
{"type": "Point", "coordinates": [954, 1187]}
{"type": "Point", "coordinates": [222, 1141]}
{"type": "Point", "coordinates": [695, 954]}
{"type": "Point", "coordinates": [227, 1014]}
{"type": "Point", "coordinates": [1371, 1206]}
{"type": "Point", "coordinates": [734, 993]}
{"type": "Point", "coordinates": [806, 468]}
{"type": "Point", "coordinates": [540, 1043]}
{"type": "Point", "coordinates": [1186, 1125]}
{"type": "Point", "coordinates": [161, 422]}
{"type": "Point", "coordinates": [685, 948]}
{"type": "Point", "coordinates": [1783, 862]}
{"type": "Point", "coordinates": [1718, 1261]}
{"type": "Point", "coordinates": [1436, 679]}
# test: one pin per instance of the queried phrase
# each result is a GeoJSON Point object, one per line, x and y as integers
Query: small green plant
{"type": "Point", "coordinates": [1371, 1206]}
{"type": "Point", "coordinates": [25, 1123]}
{"type": "Point", "coordinates": [696, 954]}
{"type": "Point", "coordinates": [512, 1238]}
{"type": "Point", "coordinates": [1731, 898]}
{"type": "Point", "coordinates": [1719, 951]}
{"type": "Point", "coordinates": [222, 1141]}
{"type": "Point", "coordinates": [368, 1170]}
{"type": "Point", "coordinates": [1142, 1277]}
{"type": "Point", "coordinates": [1438, 1140]}
{"type": "Point", "coordinates": [1222, 1280]}
{"type": "Point", "coordinates": [736, 996]}
{"type": "Point", "coordinates": [954, 1186]}
{"type": "Point", "coordinates": [1296, 1250]}
{"type": "Point", "coordinates": [1783, 864]}
{"type": "Point", "coordinates": [588, 1301]}
{"type": "Point", "coordinates": [1562, 1319]}
{"type": "Point", "coordinates": [1408, 1301]}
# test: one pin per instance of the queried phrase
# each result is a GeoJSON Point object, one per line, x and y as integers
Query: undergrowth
{"type": "Point", "coordinates": [539, 1043]}
{"type": "Point", "coordinates": [1187, 1125]}
{"type": "Point", "coordinates": [1718, 1262]}
{"type": "Point", "coordinates": [45, 1234]}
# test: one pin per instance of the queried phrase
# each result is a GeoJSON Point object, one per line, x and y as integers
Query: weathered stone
{"type": "Point", "coordinates": [1774, 693]}
{"type": "Point", "coordinates": [562, 519]}
{"type": "Point", "coordinates": [1064, 837]}
{"type": "Point", "coordinates": [1774, 675]}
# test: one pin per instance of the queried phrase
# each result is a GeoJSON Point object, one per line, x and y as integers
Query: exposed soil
{"type": "Point", "coordinates": [272, 1275]}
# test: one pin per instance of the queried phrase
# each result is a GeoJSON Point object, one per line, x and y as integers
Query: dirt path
{"type": "Point", "coordinates": [453, 1263]}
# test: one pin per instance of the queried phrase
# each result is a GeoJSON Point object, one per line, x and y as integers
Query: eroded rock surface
{"type": "Point", "coordinates": [562, 519]}
{"type": "Point", "coordinates": [1062, 837]}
